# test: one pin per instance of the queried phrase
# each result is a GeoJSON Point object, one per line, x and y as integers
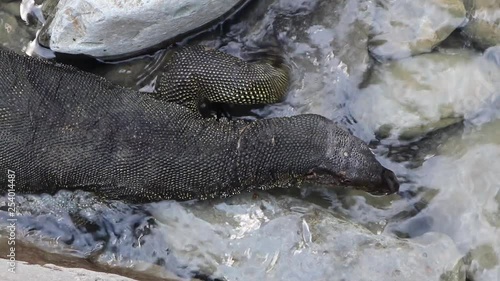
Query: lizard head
{"type": "Point", "coordinates": [348, 161]}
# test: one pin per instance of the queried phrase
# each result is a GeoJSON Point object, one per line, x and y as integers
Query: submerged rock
{"type": "Point", "coordinates": [413, 96]}
{"type": "Point", "coordinates": [325, 42]}
{"type": "Point", "coordinates": [484, 22]}
{"type": "Point", "coordinates": [402, 28]}
{"type": "Point", "coordinates": [466, 206]}
{"type": "Point", "coordinates": [288, 239]}
{"type": "Point", "coordinates": [14, 34]}
{"type": "Point", "coordinates": [247, 237]}
{"type": "Point", "coordinates": [102, 28]}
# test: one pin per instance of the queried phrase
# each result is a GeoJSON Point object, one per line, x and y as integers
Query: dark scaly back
{"type": "Point", "coordinates": [198, 73]}
{"type": "Point", "coordinates": [61, 128]}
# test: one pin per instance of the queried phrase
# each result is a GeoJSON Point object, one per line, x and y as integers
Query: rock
{"type": "Point", "coordinates": [248, 237]}
{"type": "Point", "coordinates": [466, 205]}
{"type": "Point", "coordinates": [480, 136]}
{"type": "Point", "coordinates": [13, 35]}
{"type": "Point", "coordinates": [326, 44]}
{"type": "Point", "coordinates": [413, 96]}
{"type": "Point", "coordinates": [137, 73]}
{"type": "Point", "coordinates": [50, 272]}
{"type": "Point", "coordinates": [102, 28]}
{"type": "Point", "coordinates": [403, 28]}
{"type": "Point", "coordinates": [288, 239]}
{"type": "Point", "coordinates": [484, 22]}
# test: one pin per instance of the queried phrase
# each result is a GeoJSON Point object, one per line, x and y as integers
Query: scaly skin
{"type": "Point", "coordinates": [196, 73]}
{"type": "Point", "coordinates": [61, 128]}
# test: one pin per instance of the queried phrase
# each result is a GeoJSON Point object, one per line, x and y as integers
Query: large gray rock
{"type": "Point", "coordinates": [413, 96]}
{"type": "Point", "coordinates": [466, 205]}
{"type": "Point", "coordinates": [102, 28]}
{"type": "Point", "coordinates": [402, 28]}
{"type": "Point", "coordinates": [484, 22]}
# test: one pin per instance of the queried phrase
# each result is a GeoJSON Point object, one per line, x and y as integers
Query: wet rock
{"type": "Point", "coordinates": [139, 73]}
{"type": "Point", "coordinates": [102, 28]}
{"type": "Point", "coordinates": [31, 12]}
{"type": "Point", "coordinates": [49, 272]}
{"type": "Point", "coordinates": [11, 7]}
{"type": "Point", "coordinates": [246, 237]}
{"type": "Point", "coordinates": [113, 235]}
{"type": "Point", "coordinates": [326, 44]}
{"type": "Point", "coordinates": [288, 239]}
{"type": "Point", "coordinates": [13, 34]}
{"type": "Point", "coordinates": [467, 204]}
{"type": "Point", "coordinates": [402, 28]}
{"type": "Point", "coordinates": [473, 136]}
{"type": "Point", "coordinates": [413, 96]}
{"type": "Point", "coordinates": [416, 152]}
{"type": "Point", "coordinates": [484, 22]}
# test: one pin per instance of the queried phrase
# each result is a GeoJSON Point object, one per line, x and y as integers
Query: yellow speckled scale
{"type": "Point", "coordinates": [198, 73]}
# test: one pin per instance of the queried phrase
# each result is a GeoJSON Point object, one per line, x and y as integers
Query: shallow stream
{"type": "Point", "coordinates": [432, 116]}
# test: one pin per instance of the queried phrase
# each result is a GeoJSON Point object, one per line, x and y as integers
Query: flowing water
{"type": "Point", "coordinates": [432, 118]}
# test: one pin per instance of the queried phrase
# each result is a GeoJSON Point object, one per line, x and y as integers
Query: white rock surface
{"type": "Point", "coordinates": [102, 28]}
{"type": "Point", "coordinates": [289, 239]}
{"type": "Point", "coordinates": [413, 96]}
{"type": "Point", "coordinates": [402, 28]}
{"type": "Point", "coordinates": [466, 206]}
{"type": "Point", "coordinates": [253, 236]}
{"type": "Point", "coordinates": [50, 272]}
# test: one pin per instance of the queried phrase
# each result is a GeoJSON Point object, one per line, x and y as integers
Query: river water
{"type": "Point", "coordinates": [430, 115]}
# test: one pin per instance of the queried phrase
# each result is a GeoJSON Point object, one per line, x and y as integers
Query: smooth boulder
{"type": "Point", "coordinates": [463, 176]}
{"type": "Point", "coordinates": [102, 28]}
{"type": "Point", "coordinates": [484, 22]}
{"type": "Point", "coordinates": [411, 97]}
{"type": "Point", "coordinates": [406, 27]}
